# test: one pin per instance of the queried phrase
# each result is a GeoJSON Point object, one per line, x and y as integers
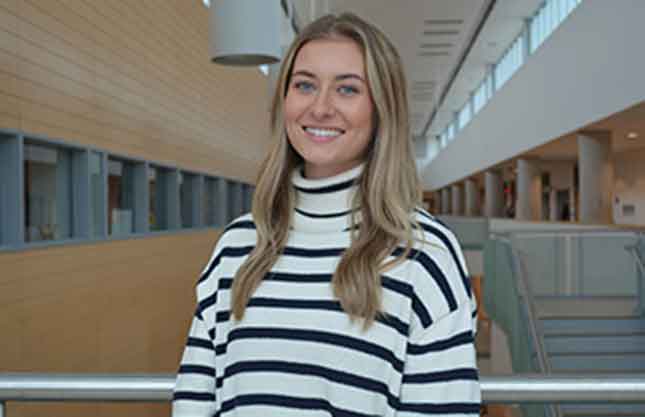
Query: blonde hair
{"type": "Point", "coordinates": [388, 188]}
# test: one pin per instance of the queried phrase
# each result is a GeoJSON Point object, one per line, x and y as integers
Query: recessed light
{"type": "Point", "coordinates": [632, 135]}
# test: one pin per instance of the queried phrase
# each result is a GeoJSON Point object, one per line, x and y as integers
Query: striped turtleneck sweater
{"type": "Point", "coordinates": [297, 354]}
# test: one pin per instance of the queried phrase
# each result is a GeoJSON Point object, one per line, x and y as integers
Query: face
{"type": "Point", "coordinates": [328, 107]}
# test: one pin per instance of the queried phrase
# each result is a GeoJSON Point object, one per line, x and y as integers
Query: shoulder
{"type": "Point", "coordinates": [442, 281]}
{"type": "Point", "coordinates": [235, 242]}
{"type": "Point", "coordinates": [435, 233]}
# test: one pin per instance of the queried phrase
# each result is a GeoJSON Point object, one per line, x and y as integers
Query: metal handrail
{"type": "Point", "coordinates": [527, 388]}
{"type": "Point", "coordinates": [633, 249]}
{"type": "Point", "coordinates": [540, 350]}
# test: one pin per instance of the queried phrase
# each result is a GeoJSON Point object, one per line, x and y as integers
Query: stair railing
{"type": "Point", "coordinates": [640, 266]}
{"type": "Point", "coordinates": [519, 267]}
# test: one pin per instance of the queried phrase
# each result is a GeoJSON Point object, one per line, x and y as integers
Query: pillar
{"type": "Point", "coordinates": [529, 191]}
{"type": "Point", "coordinates": [472, 198]}
{"type": "Point", "coordinates": [553, 205]}
{"type": "Point", "coordinates": [457, 200]}
{"type": "Point", "coordinates": [446, 202]}
{"type": "Point", "coordinates": [494, 194]}
{"type": "Point", "coordinates": [595, 177]}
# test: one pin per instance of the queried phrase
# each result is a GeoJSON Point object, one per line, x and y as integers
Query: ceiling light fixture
{"type": "Point", "coordinates": [245, 32]}
{"type": "Point", "coordinates": [632, 135]}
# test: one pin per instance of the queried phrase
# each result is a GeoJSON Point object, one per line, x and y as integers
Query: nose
{"type": "Point", "coordinates": [323, 106]}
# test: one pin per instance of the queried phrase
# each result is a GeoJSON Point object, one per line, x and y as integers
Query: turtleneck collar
{"type": "Point", "coordinates": [324, 205]}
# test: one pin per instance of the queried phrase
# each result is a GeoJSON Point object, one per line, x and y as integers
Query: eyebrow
{"type": "Point", "coordinates": [339, 77]}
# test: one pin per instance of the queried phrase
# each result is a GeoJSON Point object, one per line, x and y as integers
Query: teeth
{"type": "Point", "coordinates": [322, 132]}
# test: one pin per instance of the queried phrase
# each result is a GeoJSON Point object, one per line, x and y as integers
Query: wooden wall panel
{"type": "Point", "coordinates": [132, 77]}
{"type": "Point", "coordinates": [111, 307]}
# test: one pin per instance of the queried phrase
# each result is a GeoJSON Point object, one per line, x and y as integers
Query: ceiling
{"type": "Point", "coordinates": [432, 37]}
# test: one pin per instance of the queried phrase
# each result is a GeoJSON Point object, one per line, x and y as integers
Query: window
{"type": "Point", "coordinates": [11, 214]}
{"type": "Point", "coordinates": [97, 194]}
{"type": "Point", "coordinates": [190, 193]}
{"type": "Point", "coordinates": [480, 98]}
{"type": "Point", "coordinates": [121, 194]}
{"type": "Point", "coordinates": [48, 192]}
{"type": "Point", "coordinates": [209, 208]}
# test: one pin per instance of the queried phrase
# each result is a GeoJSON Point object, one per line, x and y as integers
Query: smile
{"type": "Point", "coordinates": [323, 133]}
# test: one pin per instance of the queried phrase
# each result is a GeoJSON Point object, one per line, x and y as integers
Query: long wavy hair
{"type": "Point", "coordinates": [388, 188]}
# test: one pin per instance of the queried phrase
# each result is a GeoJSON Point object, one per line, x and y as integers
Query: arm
{"type": "Point", "coordinates": [440, 375]}
{"type": "Point", "coordinates": [194, 393]}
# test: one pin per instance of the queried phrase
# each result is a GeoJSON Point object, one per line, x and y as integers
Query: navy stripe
{"type": "Point", "coordinates": [241, 224]}
{"type": "Point", "coordinates": [314, 336]}
{"type": "Point", "coordinates": [228, 251]}
{"type": "Point", "coordinates": [207, 302]}
{"type": "Point", "coordinates": [306, 277]}
{"type": "Point", "coordinates": [422, 312]}
{"type": "Point", "coordinates": [193, 396]}
{"type": "Point", "coordinates": [200, 343]}
{"type": "Point", "coordinates": [456, 374]}
{"type": "Point", "coordinates": [197, 369]}
{"type": "Point", "coordinates": [447, 408]}
{"type": "Point", "coordinates": [442, 236]}
{"type": "Point", "coordinates": [289, 402]}
{"type": "Point", "coordinates": [330, 305]}
{"type": "Point", "coordinates": [198, 313]}
{"type": "Point", "coordinates": [333, 375]}
{"type": "Point", "coordinates": [323, 216]}
{"type": "Point", "coordinates": [425, 214]}
{"type": "Point", "coordinates": [434, 271]}
{"type": "Point", "coordinates": [328, 189]}
{"type": "Point", "coordinates": [456, 340]}
{"type": "Point", "coordinates": [313, 253]}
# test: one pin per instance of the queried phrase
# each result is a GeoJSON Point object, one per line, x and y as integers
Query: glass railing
{"type": "Point", "coordinates": [580, 263]}
{"type": "Point", "coordinates": [472, 232]}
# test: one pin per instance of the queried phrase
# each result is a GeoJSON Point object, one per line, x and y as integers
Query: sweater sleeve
{"type": "Point", "coordinates": [194, 393]}
{"type": "Point", "coordinates": [440, 376]}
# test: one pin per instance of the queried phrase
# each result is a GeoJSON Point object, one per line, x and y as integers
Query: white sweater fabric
{"type": "Point", "coordinates": [297, 354]}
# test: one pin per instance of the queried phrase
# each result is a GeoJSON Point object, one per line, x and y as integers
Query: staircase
{"type": "Point", "coordinates": [593, 335]}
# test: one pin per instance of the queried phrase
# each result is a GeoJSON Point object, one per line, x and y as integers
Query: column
{"type": "Point", "coordinates": [595, 177]}
{"type": "Point", "coordinates": [494, 194]}
{"type": "Point", "coordinates": [472, 197]}
{"type": "Point", "coordinates": [553, 205]}
{"type": "Point", "coordinates": [457, 200]}
{"type": "Point", "coordinates": [446, 203]}
{"type": "Point", "coordinates": [529, 191]}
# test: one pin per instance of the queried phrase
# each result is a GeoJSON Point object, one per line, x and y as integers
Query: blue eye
{"type": "Point", "coordinates": [304, 86]}
{"type": "Point", "coordinates": [348, 90]}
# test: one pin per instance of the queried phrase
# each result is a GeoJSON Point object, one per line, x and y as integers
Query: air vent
{"type": "Point", "coordinates": [440, 32]}
{"type": "Point", "coordinates": [432, 54]}
{"type": "Point", "coordinates": [436, 45]}
{"type": "Point", "coordinates": [443, 21]}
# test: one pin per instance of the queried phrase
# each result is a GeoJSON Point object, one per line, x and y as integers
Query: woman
{"type": "Point", "coordinates": [337, 296]}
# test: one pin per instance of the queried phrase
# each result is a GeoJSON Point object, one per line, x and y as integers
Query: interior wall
{"type": "Point", "coordinates": [629, 188]}
{"type": "Point", "coordinates": [110, 307]}
{"type": "Point", "coordinates": [571, 81]}
{"type": "Point", "coordinates": [132, 77]}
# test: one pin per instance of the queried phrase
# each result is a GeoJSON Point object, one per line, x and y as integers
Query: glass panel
{"type": "Point", "coordinates": [186, 196]}
{"type": "Point", "coordinates": [208, 201]}
{"type": "Point", "coordinates": [153, 211]}
{"type": "Point", "coordinates": [48, 191]}
{"type": "Point", "coordinates": [120, 197]}
{"type": "Point", "coordinates": [97, 194]}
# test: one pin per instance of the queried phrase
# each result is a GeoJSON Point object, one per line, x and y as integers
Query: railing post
{"type": "Point", "coordinates": [2, 413]}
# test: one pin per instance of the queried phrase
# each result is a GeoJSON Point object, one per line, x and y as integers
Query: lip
{"type": "Point", "coordinates": [322, 139]}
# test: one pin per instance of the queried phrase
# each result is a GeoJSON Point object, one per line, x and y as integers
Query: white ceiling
{"type": "Point", "coordinates": [431, 36]}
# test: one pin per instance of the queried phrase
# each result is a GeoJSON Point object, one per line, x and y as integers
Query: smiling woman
{"type": "Point", "coordinates": [328, 108]}
{"type": "Point", "coordinates": [338, 295]}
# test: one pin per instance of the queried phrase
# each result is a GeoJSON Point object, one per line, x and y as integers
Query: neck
{"type": "Point", "coordinates": [324, 204]}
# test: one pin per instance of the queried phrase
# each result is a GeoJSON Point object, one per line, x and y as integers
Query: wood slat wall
{"type": "Point", "coordinates": [132, 77]}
